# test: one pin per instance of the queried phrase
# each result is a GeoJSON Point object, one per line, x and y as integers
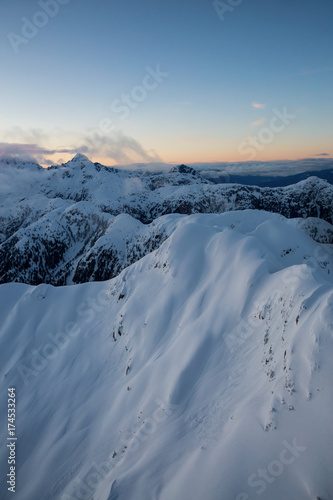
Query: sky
{"type": "Point", "coordinates": [176, 82]}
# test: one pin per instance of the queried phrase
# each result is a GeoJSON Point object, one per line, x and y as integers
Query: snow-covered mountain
{"type": "Point", "coordinates": [193, 357]}
{"type": "Point", "coordinates": [203, 370]}
{"type": "Point", "coordinates": [60, 225]}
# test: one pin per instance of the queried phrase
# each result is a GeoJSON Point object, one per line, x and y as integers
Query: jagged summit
{"type": "Point", "coordinates": [80, 157]}
{"type": "Point", "coordinates": [184, 169]}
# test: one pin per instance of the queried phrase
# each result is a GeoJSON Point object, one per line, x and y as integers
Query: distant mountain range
{"type": "Point", "coordinates": [269, 180]}
{"type": "Point", "coordinates": [82, 221]}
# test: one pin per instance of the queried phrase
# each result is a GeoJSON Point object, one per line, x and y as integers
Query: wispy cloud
{"type": "Point", "coordinates": [258, 122]}
{"type": "Point", "coordinates": [322, 154]}
{"type": "Point", "coordinates": [258, 105]}
{"type": "Point", "coordinates": [24, 136]}
{"type": "Point", "coordinates": [119, 147]}
{"type": "Point", "coordinates": [31, 144]}
{"type": "Point", "coordinates": [36, 144]}
{"type": "Point", "coordinates": [31, 151]}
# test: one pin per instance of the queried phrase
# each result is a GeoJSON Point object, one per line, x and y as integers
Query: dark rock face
{"type": "Point", "coordinates": [184, 169]}
{"type": "Point", "coordinates": [102, 264]}
{"type": "Point", "coordinates": [67, 224]}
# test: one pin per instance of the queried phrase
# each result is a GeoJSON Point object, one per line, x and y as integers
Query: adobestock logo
{"type": "Point", "coordinates": [151, 81]}
{"type": "Point", "coordinates": [277, 124]}
{"type": "Point", "coordinates": [222, 8]}
{"type": "Point", "coordinates": [30, 28]}
{"type": "Point", "coordinates": [263, 477]}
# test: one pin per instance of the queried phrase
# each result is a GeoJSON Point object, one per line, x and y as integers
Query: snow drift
{"type": "Point", "coordinates": [203, 370]}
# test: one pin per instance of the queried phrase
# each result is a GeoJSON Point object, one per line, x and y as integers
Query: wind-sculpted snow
{"type": "Point", "coordinates": [60, 226]}
{"type": "Point", "coordinates": [201, 371]}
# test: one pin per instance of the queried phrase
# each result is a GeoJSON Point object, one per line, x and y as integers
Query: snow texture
{"type": "Point", "coordinates": [203, 370]}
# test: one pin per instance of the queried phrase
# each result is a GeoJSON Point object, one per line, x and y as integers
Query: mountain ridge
{"type": "Point", "coordinates": [40, 209]}
{"type": "Point", "coordinates": [194, 371]}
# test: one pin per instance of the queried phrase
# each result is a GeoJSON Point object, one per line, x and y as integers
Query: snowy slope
{"type": "Point", "coordinates": [57, 225]}
{"type": "Point", "coordinates": [202, 371]}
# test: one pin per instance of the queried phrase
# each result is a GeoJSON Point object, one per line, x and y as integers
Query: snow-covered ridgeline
{"type": "Point", "coordinates": [201, 371]}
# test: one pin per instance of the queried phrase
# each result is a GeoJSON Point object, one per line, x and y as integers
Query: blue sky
{"type": "Point", "coordinates": [224, 77]}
